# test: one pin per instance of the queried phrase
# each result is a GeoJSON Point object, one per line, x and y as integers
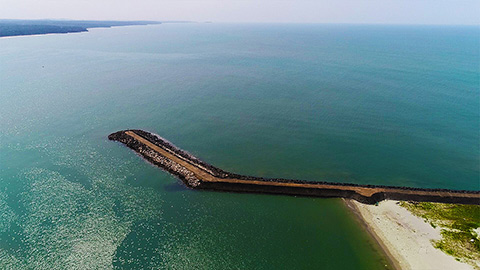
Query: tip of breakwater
{"type": "Point", "coordinates": [198, 174]}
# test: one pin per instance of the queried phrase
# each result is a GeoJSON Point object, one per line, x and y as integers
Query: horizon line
{"type": "Point", "coordinates": [247, 22]}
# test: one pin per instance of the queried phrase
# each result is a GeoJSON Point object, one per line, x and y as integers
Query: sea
{"type": "Point", "coordinates": [366, 104]}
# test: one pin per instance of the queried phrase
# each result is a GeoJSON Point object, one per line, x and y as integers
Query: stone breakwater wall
{"type": "Point", "coordinates": [154, 157]}
{"type": "Point", "coordinates": [198, 174]}
{"type": "Point", "coordinates": [214, 171]}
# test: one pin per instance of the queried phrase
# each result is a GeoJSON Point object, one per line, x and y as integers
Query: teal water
{"type": "Point", "coordinates": [391, 105]}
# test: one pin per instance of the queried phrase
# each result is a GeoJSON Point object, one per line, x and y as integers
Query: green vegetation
{"type": "Point", "coordinates": [459, 228]}
{"type": "Point", "coordinates": [36, 27]}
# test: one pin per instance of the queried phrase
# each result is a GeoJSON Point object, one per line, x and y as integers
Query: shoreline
{"type": "Point", "coordinates": [44, 34]}
{"type": "Point", "coordinates": [355, 211]}
{"type": "Point", "coordinates": [404, 238]}
{"type": "Point", "coordinates": [23, 28]}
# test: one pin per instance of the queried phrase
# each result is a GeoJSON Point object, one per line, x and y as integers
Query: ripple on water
{"type": "Point", "coordinates": [68, 224]}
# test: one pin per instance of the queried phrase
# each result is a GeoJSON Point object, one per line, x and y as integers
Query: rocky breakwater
{"type": "Point", "coordinates": [198, 174]}
{"type": "Point", "coordinates": [156, 158]}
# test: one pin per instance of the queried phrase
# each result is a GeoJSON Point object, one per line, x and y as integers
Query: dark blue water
{"type": "Point", "coordinates": [392, 105]}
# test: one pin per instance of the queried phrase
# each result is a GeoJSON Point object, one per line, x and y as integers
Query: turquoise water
{"type": "Point", "coordinates": [391, 105]}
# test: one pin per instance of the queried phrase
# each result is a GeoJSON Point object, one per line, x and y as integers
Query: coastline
{"type": "Point", "coordinates": [21, 28]}
{"type": "Point", "coordinates": [405, 239]}
{"type": "Point", "coordinates": [42, 34]}
{"type": "Point", "coordinates": [352, 207]}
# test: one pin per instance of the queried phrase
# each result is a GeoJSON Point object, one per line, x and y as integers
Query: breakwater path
{"type": "Point", "coordinates": [198, 174]}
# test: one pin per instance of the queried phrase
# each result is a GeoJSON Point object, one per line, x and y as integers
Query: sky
{"type": "Point", "coordinates": [252, 11]}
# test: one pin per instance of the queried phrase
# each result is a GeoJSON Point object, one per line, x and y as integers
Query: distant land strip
{"type": "Point", "coordinates": [198, 174]}
{"type": "Point", "coordinates": [10, 28]}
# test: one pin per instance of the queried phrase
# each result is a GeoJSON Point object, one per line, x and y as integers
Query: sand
{"type": "Point", "coordinates": [404, 237]}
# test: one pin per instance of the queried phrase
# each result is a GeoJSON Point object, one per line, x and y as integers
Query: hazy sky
{"type": "Point", "coordinates": [310, 11]}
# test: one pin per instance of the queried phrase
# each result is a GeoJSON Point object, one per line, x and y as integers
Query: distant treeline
{"type": "Point", "coordinates": [37, 27]}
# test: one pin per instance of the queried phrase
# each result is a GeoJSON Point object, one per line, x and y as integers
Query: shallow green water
{"type": "Point", "coordinates": [365, 104]}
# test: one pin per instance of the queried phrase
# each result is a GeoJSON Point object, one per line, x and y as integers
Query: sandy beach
{"type": "Point", "coordinates": [404, 237]}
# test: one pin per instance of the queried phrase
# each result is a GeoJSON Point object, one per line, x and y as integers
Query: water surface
{"type": "Point", "coordinates": [390, 105]}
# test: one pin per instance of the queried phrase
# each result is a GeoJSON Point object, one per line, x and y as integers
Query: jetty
{"type": "Point", "coordinates": [197, 174]}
